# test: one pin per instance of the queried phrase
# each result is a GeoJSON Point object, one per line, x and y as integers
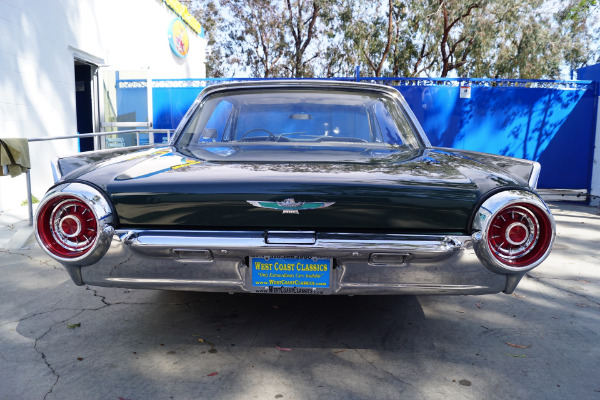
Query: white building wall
{"type": "Point", "coordinates": [38, 42]}
{"type": "Point", "coordinates": [132, 39]}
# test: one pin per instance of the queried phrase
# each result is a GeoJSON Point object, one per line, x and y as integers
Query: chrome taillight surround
{"type": "Point", "coordinates": [513, 231]}
{"type": "Point", "coordinates": [74, 224]}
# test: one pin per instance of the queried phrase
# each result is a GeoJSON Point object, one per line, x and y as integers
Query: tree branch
{"type": "Point", "coordinates": [389, 39]}
{"type": "Point", "coordinates": [294, 34]}
{"type": "Point", "coordinates": [471, 7]}
{"type": "Point", "coordinates": [313, 20]}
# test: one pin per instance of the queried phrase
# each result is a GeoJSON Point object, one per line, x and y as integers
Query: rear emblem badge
{"type": "Point", "coordinates": [290, 206]}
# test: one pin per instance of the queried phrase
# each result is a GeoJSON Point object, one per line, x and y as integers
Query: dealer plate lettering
{"type": "Point", "coordinates": [292, 275]}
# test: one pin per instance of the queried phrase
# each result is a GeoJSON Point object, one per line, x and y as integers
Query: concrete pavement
{"type": "Point", "coordinates": [15, 232]}
{"type": "Point", "coordinates": [60, 341]}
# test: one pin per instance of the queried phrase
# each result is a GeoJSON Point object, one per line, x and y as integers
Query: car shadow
{"type": "Point", "coordinates": [299, 321]}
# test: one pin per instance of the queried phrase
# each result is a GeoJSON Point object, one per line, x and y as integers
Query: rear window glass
{"type": "Point", "coordinates": [299, 116]}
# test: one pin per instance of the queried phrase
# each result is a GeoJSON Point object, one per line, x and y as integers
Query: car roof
{"type": "Point", "coordinates": [298, 83]}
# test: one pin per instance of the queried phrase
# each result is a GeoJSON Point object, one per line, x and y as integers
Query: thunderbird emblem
{"type": "Point", "coordinates": [290, 206]}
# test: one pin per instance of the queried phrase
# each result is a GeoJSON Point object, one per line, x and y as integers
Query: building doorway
{"type": "Point", "coordinates": [86, 102]}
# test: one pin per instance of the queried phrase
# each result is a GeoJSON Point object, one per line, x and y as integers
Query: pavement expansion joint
{"type": "Point", "coordinates": [579, 294]}
{"type": "Point", "coordinates": [377, 367]}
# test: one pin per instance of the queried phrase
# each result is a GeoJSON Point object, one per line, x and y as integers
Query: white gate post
{"type": "Point", "coordinates": [595, 186]}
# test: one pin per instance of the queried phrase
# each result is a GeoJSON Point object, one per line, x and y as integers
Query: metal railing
{"type": "Point", "coordinates": [137, 133]}
{"type": "Point", "coordinates": [392, 81]}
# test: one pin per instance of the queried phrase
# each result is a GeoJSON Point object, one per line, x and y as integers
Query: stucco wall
{"type": "Point", "coordinates": [38, 43]}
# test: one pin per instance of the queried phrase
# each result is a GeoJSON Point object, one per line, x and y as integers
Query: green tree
{"type": "Point", "coordinates": [207, 12]}
{"type": "Point", "coordinates": [523, 40]}
{"type": "Point", "coordinates": [578, 9]}
{"type": "Point", "coordinates": [256, 35]}
{"type": "Point", "coordinates": [302, 26]}
{"type": "Point", "coordinates": [483, 38]}
{"type": "Point", "coordinates": [438, 38]}
{"type": "Point", "coordinates": [370, 30]}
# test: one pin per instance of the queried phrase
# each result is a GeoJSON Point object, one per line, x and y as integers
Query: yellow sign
{"type": "Point", "coordinates": [178, 38]}
{"type": "Point", "coordinates": [185, 15]}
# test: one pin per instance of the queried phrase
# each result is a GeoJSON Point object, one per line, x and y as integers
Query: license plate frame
{"type": "Point", "coordinates": [290, 275]}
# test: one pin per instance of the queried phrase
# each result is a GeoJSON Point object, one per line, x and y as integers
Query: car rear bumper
{"type": "Point", "coordinates": [362, 263]}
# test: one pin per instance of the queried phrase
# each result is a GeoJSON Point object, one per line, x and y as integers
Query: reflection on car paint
{"type": "Point", "coordinates": [161, 163]}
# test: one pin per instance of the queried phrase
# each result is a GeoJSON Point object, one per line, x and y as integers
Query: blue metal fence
{"type": "Point", "coordinates": [552, 122]}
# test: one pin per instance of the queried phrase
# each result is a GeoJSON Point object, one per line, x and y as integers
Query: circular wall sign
{"type": "Point", "coordinates": [178, 38]}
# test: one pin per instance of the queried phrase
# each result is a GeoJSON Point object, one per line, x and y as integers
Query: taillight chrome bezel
{"type": "Point", "coordinates": [521, 214]}
{"type": "Point", "coordinates": [74, 224]}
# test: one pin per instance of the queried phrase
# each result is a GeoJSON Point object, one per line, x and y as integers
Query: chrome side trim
{"type": "Point", "coordinates": [160, 243]}
{"type": "Point", "coordinates": [486, 214]}
{"type": "Point", "coordinates": [291, 237]}
{"type": "Point", "coordinates": [412, 288]}
{"type": "Point", "coordinates": [343, 289]}
{"type": "Point", "coordinates": [535, 175]}
{"type": "Point", "coordinates": [102, 212]}
{"type": "Point", "coordinates": [176, 284]}
{"type": "Point", "coordinates": [56, 172]}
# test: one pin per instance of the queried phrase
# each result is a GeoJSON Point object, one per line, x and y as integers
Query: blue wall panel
{"type": "Point", "coordinates": [552, 126]}
{"type": "Point", "coordinates": [169, 105]}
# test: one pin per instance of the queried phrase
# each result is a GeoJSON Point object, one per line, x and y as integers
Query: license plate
{"type": "Point", "coordinates": [292, 275]}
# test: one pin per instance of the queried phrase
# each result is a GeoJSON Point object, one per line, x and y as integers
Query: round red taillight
{"type": "Point", "coordinates": [67, 227]}
{"type": "Point", "coordinates": [519, 235]}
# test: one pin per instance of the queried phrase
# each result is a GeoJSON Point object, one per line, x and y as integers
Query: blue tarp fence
{"type": "Point", "coordinates": [552, 122]}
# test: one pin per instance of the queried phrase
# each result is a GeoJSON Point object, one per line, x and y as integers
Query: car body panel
{"type": "Point", "coordinates": [419, 191]}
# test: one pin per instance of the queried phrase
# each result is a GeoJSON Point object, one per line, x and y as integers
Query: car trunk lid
{"type": "Point", "coordinates": [353, 190]}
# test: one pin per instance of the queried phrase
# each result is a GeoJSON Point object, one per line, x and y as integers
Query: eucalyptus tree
{"type": "Point", "coordinates": [528, 40]}
{"type": "Point", "coordinates": [477, 38]}
{"type": "Point", "coordinates": [368, 26]}
{"type": "Point", "coordinates": [301, 23]}
{"type": "Point", "coordinates": [256, 37]}
{"type": "Point", "coordinates": [212, 20]}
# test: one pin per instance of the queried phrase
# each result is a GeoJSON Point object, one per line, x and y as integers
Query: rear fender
{"type": "Point", "coordinates": [525, 170]}
{"type": "Point", "coordinates": [63, 166]}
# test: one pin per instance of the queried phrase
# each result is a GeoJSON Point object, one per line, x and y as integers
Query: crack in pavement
{"type": "Point", "coordinates": [105, 303]}
{"type": "Point", "coordinates": [101, 297]}
{"type": "Point", "coordinates": [119, 303]}
{"type": "Point", "coordinates": [37, 340]}
{"type": "Point", "coordinates": [40, 261]}
{"type": "Point", "coordinates": [28, 317]}
{"type": "Point", "coordinates": [43, 355]}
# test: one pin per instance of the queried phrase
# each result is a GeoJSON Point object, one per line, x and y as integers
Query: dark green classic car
{"type": "Point", "coordinates": [308, 187]}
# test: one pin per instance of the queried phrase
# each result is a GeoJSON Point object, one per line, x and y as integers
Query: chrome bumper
{"type": "Point", "coordinates": [363, 263]}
